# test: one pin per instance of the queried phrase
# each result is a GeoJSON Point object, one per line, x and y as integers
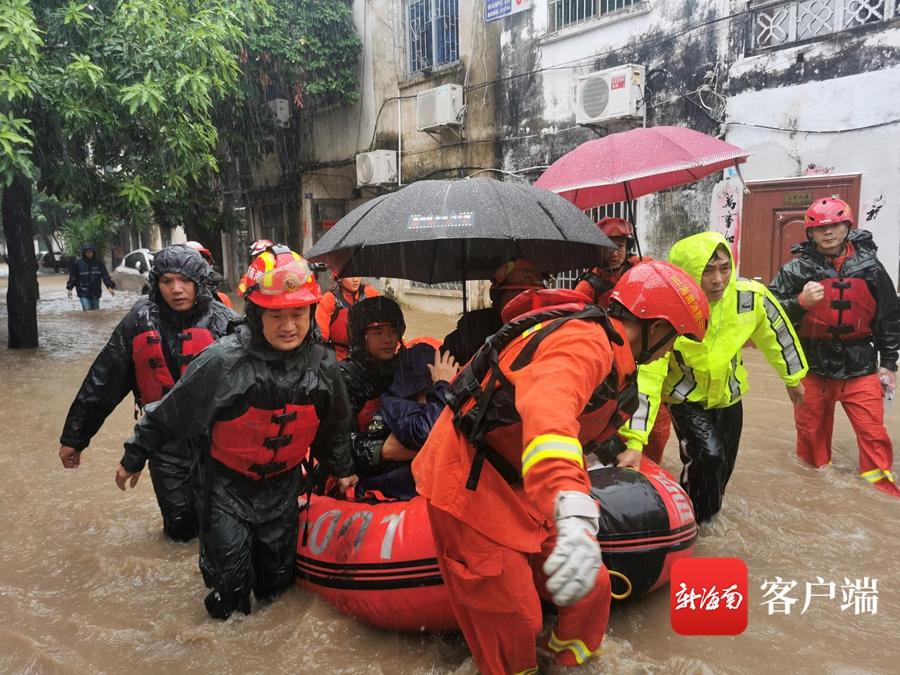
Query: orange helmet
{"type": "Point", "coordinates": [658, 290]}
{"type": "Point", "coordinates": [201, 249]}
{"type": "Point", "coordinates": [828, 211]}
{"type": "Point", "coordinates": [616, 227]}
{"type": "Point", "coordinates": [259, 246]}
{"type": "Point", "coordinates": [278, 279]}
{"type": "Point", "coordinates": [518, 273]}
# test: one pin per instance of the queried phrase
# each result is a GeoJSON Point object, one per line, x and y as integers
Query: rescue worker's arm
{"type": "Point", "coordinates": [332, 442]}
{"type": "Point", "coordinates": [650, 379]}
{"type": "Point", "coordinates": [108, 381]}
{"type": "Point", "coordinates": [886, 326]}
{"type": "Point", "coordinates": [551, 393]}
{"type": "Point", "coordinates": [323, 315]}
{"type": "Point", "coordinates": [211, 382]}
{"type": "Point", "coordinates": [775, 337]}
{"type": "Point", "coordinates": [786, 287]}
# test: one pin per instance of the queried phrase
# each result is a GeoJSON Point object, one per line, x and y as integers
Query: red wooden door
{"type": "Point", "coordinates": [772, 218]}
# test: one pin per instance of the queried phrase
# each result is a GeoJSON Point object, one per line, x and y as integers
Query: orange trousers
{"type": "Point", "coordinates": [659, 434]}
{"type": "Point", "coordinates": [862, 400]}
{"type": "Point", "coordinates": [494, 594]}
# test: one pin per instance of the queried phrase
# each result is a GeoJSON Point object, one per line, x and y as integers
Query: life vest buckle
{"type": "Point", "coordinates": [284, 418]}
{"type": "Point", "coordinates": [267, 469]}
{"type": "Point", "coordinates": [840, 304]}
{"type": "Point", "coordinates": [841, 284]}
{"type": "Point", "coordinates": [183, 337]}
{"type": "Point", "coordinates": [153, 339]}
{"type": "Point", "coordinates": [155, 362]}
{"type": "Point", "coordinates": [840, 330]}
{"type": "Point", "coordinates": [276, 442]}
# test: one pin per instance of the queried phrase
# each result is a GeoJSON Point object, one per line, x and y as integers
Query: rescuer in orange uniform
{"type": "Point", "coordinates": [333, 310]}
{"type": "Point", "coordinates": [559, 374]}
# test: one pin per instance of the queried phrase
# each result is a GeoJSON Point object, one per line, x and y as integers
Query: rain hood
{"type": "Point", "coordinates": [693, 253]}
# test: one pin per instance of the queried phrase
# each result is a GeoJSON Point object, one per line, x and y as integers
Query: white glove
{"type": "Point", "coordinates": [575, 562]}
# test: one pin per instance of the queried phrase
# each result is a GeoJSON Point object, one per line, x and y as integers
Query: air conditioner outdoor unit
{"type": "Point", "coordinates": [439, 107]}
{"type": "Point", "coordinates": [376, 167]}
{"type": "Point", "coordinates": [281, 111]}
{"type": "Point", "coordinates": [610, 94]}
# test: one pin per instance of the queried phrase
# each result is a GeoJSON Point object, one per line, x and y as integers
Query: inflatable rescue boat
{"type": "Point", "coordinates": [374, 560]}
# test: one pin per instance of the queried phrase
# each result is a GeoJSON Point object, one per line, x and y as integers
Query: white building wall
{"type": "Point", "coordinates": [868, 102]}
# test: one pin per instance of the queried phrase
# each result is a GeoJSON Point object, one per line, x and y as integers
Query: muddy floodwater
{"type": "Point", "coordinates": [89, 585]}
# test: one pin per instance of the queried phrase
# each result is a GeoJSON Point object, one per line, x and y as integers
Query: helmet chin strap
{"type": "Point", "coordinates": [647, 352]}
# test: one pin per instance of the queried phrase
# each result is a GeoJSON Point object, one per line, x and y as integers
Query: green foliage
{"type": "Point", "coordinates": [96, 228]}
{"type": "Point", "coordinates": [127, 105]}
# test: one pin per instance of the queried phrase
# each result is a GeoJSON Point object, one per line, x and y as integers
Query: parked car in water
{"type": "Point", "coordinates": [55, 260]}
{"type": "Point", "coordinates": [134, 271]}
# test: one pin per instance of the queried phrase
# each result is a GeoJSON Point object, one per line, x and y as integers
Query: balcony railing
{"type": "Point", "coordinates": [776, 24]}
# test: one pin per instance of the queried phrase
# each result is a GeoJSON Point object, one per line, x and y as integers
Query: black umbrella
{"type": "Point", "coordinates": [453, 230]}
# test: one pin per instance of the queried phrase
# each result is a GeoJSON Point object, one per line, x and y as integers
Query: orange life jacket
{"type": "Point", "coordinates": [338, 332]}
{"type": "Point", "coordinates": [152, 375]}
{"type": "Point", "coordinates": [483, 399]}
{"type": "Point", "coordinates": [262, 443]}
{"type": "Point", "coordinates": [845, 313]}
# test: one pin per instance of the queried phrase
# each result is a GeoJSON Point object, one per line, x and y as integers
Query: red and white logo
{"type": "Point", "coordinates": [708, 596]}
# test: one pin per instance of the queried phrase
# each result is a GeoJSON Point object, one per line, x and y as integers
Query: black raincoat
{"type": "Point", "coordinates": [112, 377]}
{"type": "Point", "coordinates": [838, 359]}
{"type": "Point", "coordinates": [86, 275]}
{"type": "Point", "coordinates": [248, 536]}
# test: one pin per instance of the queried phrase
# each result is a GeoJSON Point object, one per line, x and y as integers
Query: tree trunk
{"type": "Point", "coordinates": [22, 294]}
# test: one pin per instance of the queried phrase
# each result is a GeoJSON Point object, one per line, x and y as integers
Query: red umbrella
{"type": "Point", "coordinates": [624, 166]}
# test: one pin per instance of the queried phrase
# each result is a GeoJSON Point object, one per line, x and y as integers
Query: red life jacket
{"type": "Point", "coordinates": [150, 370]}
{"type": "Point", "coordinates": [541, 313]}
{"type": "Point", "coordinates": [845, 313]}
{"type": "Point", "coordinates": [264, 443]}
{"type": "Point", "coordinates": [338, 334]}
{"type": "Point", "coordinates": [365, 416]}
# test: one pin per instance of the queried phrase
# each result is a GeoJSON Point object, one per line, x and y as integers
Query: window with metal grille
{"type": "Point", "coordinates": [618, 210]}
{"type": "Point", "coordinates": [568, 12]}
{"type": "Point", "coordinates": [433, 33]}
{"type": "Point", "coordinates": [774, 24]}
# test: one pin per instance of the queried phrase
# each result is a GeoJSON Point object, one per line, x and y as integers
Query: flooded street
{"type": "Point", "coordinates": [88, 584]}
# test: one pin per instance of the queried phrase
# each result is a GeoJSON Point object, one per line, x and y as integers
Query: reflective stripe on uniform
{"type": "Point", "coordinates": [552, 446]}
{"type": "Point", "coordinates": [733, 383]}
{"type": "Point", "coordinates": [789, 348]}
{"type": "Point", "coordinates": [745, 301]}
{"type": "Point", "coordinates": [579, 650]}
{"type": "Point", "coordinates": [641, 416]}
{"type": "Point", "coordinates": [533, 329]}
{"type": "Point", "coordinates": [876, 475]}
{"type": "Point", "coordinates": [687, 383]}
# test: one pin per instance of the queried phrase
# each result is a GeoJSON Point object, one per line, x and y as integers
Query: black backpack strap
{"type": "Point", "coordinates": [597, 283]}
{"type": "Point", "coordinates": [473, 428]}
{"type": "Point", "coordinates": [339, 302]}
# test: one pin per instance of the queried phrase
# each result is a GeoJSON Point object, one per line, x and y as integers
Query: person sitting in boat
{"type": "Point", "coordinates": [473, 328]}
{"type": "Point", "coordinates": [408, 410]}
{"type": "Point", "coordinates": [374, 327]}
{"type": "Point", "coordinates": [269, 396]}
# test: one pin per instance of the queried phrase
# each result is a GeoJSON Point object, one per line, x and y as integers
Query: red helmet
{"type": "Point", "coordinates": [201, 249]}
{"type": "Point", "coordinates": [616, 227]}
{"type": "Point", "coordinates": [518, 273]}
{"type": "Point", "coordinates": [658, 290]}
{"type": "Point", "coordinates": [259, 246]}
{"type": "Point", "coordinates": [279, 279]}
{"type": "Point", "coordinates": [828, 211]}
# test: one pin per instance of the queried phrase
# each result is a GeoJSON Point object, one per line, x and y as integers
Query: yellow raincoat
{"type": "Point", "coordinates": [712, 372]}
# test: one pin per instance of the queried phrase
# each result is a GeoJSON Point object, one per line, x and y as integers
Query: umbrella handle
{"type": "Point", "coordinates": [629, 209]}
